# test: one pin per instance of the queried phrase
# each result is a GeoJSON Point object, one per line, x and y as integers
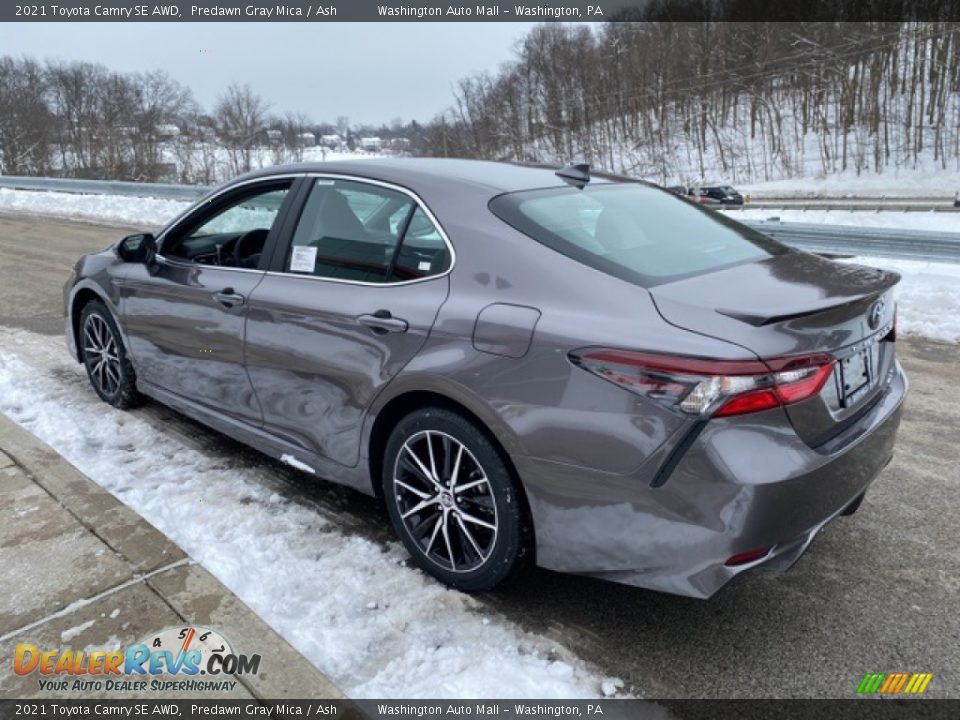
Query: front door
{"type": "Point", "coordinates": [185, 313]}
{"type": "Point", "coordinates": [349, 302]}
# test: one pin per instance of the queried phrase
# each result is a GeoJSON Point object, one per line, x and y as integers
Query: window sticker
{"type": "Point", "coordinates": [303, 259]}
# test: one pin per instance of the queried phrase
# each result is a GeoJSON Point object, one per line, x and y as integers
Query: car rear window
{"type": "Point", "coordinates": [633, 231]}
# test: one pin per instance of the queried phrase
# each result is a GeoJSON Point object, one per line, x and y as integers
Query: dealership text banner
{"type": "Point", "coordinates": [428, 11]}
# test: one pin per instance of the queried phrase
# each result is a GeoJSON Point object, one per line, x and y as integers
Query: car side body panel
{"type": "Point", "coordinates": [315, 369]}
{"type": "Point", "coordinates": [184, 340]}
{"type": "Point", "coordinates": [494, 336]}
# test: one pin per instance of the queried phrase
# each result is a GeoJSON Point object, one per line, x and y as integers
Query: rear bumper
{"type": "Point", "coordinates": [744, 484]}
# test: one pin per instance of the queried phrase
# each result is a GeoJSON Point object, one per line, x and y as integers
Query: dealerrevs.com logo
{"type": "Point", "coordinates": [171, 660]}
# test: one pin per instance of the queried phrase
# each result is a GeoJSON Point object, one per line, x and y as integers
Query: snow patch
{"type": "Point", "coordinates": [293, 462]}
{"type": "Point", "coordinates": [928, 180]}
{"type": "Point", "coordinates": [931, 221]}
{"type": "Point", "coordinates": [928, 297]}
{"type": "Point", "coordinates": [144, 212]}
{"type": "Point", "coordinates": [70, 633]}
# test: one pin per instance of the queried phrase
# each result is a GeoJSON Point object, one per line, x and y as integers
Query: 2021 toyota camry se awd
{"type": "Point", "coordinates": [529, 365]}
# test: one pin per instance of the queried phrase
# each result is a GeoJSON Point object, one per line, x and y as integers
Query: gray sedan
{"type": "Point", "coordinates": [527, 364]}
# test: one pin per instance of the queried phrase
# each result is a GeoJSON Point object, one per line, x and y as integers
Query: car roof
{"type": "Point", "coordinates": [492, 177]}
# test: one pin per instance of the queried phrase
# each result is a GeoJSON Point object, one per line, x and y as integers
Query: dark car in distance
{"type": "Point", "coordinates": [694, 195]}
{"type": "Point", "coordinates": [723, 194]}
{"type": "Point", "coordinates": [528, 365]}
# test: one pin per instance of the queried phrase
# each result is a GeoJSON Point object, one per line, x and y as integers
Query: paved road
{"type": "Point", "coordinates": [877, 592]}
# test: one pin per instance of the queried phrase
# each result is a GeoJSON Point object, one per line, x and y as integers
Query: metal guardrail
{"type": "Point", "coordinates": [828, 239]}
{"type": "Point", "coordinates": [104, 187]}
{"type": "Point", "coordinates": [854, 240]}
{"type": "Point", "coordinates": [916, 205]}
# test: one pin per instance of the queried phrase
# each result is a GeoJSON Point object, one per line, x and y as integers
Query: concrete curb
{"type": "Point", "coordinates": [80, 550]}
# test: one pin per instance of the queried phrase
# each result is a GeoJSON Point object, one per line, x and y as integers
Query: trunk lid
{"type": "Point", "coordinates": [796, 304]}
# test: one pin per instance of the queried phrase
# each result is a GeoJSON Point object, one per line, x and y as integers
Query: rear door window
{"type": "Point", "coordinates": [357, 231]}
{"type": "Point", "coordinates": [636, 232]}
{"type": "Point", "coordinates": [423, 251]}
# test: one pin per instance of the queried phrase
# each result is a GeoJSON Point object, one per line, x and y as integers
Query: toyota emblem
{"type": "Point", "coordinates": [875, 314]}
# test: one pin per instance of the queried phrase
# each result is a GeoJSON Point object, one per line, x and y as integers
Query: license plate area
{"type": "Point", "coordinates": [858, 373]}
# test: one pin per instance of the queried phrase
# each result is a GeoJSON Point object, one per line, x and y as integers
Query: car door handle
{"type": "Point", "coordinates": [228, 298]}
{"type": "Point", "coordinates": [382, 322]}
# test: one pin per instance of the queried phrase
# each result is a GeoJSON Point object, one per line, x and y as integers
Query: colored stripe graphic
{"type": "Point", "coordinates": [927, 677]}
{"type": "Point", "coordinates": [871, 683]}
{"type": "Point", "coordinates": [894, 683]}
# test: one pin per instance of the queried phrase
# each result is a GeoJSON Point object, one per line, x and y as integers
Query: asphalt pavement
{"type": "Point", "coordinates": [877, 592]}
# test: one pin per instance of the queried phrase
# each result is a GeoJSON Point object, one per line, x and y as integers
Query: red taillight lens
{"type": "Point", "coordinates": [746, 557]}
{"type": "Point", "coordinates": [748, 403]}
{"type": "Point", "coordinates": [717, 388]}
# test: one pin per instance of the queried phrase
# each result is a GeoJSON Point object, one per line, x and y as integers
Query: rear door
{"type": "Point", "coordinates": [347, 303]}
{"type": "Point", "coordinates": [185, 314]}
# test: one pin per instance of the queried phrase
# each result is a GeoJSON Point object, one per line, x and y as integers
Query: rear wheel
{"type": "Point", "coordinates": [105, 357]}
{"type": "Point", "coordinates": [453, 500]}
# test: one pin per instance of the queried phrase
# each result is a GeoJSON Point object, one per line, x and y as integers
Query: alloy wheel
{"type": "Point", "coordinates": [101, 355]}
{"type": "Point", "coordinates": [445, 501]}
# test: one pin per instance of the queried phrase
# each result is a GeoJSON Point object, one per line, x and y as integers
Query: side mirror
{"type": "Point", "coordinates": [139, 248]}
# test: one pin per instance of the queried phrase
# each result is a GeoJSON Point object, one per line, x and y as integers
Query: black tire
{"type": "Point", "coordinates": [487, 558]}
{"type": "Point", "coordinates": [110, 373]}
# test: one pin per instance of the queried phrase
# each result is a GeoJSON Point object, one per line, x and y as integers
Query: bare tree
{"type": "Point", "coordinates": [727, 99]}
{"type": "Point", "coordinates": [240, 116]}
{"type": "Point", "coordinates": [26, 123]}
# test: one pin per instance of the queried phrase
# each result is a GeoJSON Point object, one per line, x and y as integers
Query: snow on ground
{"type": "Point", "coordinates": [933, 221]}
{"type": "Point", "coordinates": [928, 297]}
{"type": "Point", "coordinates": [70, 633]}
{"type": "Point", "coordinates": [124, 210]}
{"type": "Point", "coordinates": [120, 209]}
{"type": "Point", "coordinates": [929, 181]}
{"type": "Point", "coordinates": [319, 153]}
{"type": "Point", "coordinates": [377, 627]}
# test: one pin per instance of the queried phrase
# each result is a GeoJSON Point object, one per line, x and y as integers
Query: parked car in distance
{"type": "Point", "coordinates": [525, 364]}
{"type": "Point", "coordinates": [693, 195]}
{"type": "Point", "coordinates": [723, 194]}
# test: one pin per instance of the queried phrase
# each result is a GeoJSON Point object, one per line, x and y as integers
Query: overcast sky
{"type": "Point", "coordinates": [370, 72]}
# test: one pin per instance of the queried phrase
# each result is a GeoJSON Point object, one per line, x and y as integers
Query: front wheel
{"type": "Point", "coordinates": [454, 502]}
{"type": "Point", "coordinates": [110, 372]}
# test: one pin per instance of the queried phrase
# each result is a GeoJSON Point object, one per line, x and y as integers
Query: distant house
{"type": "Point", "coordinates": [167, 131]}
{"type": "Point", "coordinates": [307, 139]}
{"type": "Point", "coordinates": [331, 141]}
{"type": "Point", "coordinates": [371, 144]}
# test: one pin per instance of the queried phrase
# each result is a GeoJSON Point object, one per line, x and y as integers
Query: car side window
{"type": "Point", "coordinates": [423, 252]}
{"type": "Point", "coordinates": [234, 235]}
{"type": "Point", "coordinates": [351, 230]}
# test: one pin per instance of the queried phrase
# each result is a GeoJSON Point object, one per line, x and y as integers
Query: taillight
{"type": "Point", "coordinates": [710, 388]}
{"type": "Point", "coordinates": [747, 557]}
